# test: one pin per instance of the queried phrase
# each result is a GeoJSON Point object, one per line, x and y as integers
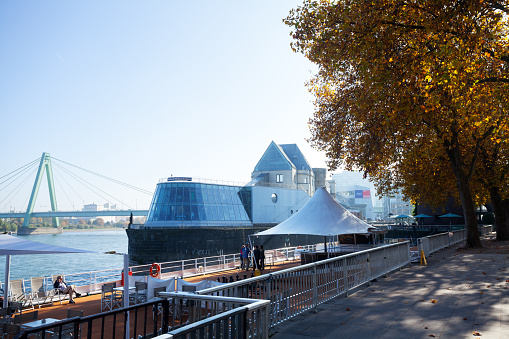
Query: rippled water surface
{"type": "Point", "coordinates": [26, 266]}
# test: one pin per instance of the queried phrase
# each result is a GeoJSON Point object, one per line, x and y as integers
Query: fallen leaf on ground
{"type": "Point", "coordinates": [465, 318]}
{"type": "Point", "coordinates": [348, 309]}
{"type": "Point", "coordinates": [477, 333]}
{"type": "Point", "coordinates": [433, 301]}
{"type": "Point", "coordinates": [432, 335]}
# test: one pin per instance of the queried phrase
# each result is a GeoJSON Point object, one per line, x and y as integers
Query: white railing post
{"type": "Point", "coordinates": [315, 290]}
{"type": "Point", "coordinates": [369, 270]}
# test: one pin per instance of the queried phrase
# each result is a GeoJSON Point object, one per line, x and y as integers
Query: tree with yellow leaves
{"type": "Point", "coordinates": [395, 75]}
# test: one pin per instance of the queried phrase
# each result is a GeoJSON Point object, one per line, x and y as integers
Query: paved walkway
{"type": "Point", "coordinates": [462, 293]}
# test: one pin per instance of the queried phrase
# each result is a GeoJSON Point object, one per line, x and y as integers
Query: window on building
{"type": "Point", "coordinates": [279, 178]}
{"type": "Point", "coordinates": [305, 180]}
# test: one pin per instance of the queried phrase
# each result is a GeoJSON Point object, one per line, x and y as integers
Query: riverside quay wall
{"type": "Point", "coordinates": [148, 245]}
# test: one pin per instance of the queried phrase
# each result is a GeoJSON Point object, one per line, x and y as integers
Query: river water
{"type": "Point", "coordinates": [26, 266]}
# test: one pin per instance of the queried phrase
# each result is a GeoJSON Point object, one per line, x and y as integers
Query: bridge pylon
{"type": "Point", "coordinates": [45, 164]}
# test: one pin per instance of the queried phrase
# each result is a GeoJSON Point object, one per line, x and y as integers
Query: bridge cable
{"type": "Point", "coordinates": [27, 165]}
{"type": "Point", "coordinates": [76, 176]}
{"type": "Point", "coordinates": [70, 186]}
{"type": "Point", "coordinates": [18, 187]}
{"type": "Point", "coordinates": [59, 185]}
{"type": "Point", "coordinates": [141, 190]}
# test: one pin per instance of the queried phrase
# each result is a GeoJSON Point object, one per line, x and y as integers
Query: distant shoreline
{"type": "Point", "coordinates": [94, 229]}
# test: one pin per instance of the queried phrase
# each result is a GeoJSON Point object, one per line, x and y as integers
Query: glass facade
{"type": "Point", "coordinates": [273, 160]}
{"type": "Point", "coordinates": [197, 204]}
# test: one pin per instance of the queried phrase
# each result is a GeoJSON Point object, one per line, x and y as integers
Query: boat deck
{"type": "Point", "coordinates": [91, 304]}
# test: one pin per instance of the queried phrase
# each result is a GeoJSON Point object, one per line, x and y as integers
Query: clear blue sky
{"type": "Point", "coordinates": [138, 91]}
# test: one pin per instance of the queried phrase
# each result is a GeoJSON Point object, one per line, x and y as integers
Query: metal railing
{"type": "Point", "coordinates": [434, 243]}
{"type": "Point", "coordinates": [296, 290]}
{"type": "Point", "coordinates": [216, 316]}
{"type": "Point", "coordinates": [206, 265]}
{"type": "Point", "coordinates": [153, 317]}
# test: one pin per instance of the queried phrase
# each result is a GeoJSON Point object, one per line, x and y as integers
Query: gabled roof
{"type": "Point", "coordinates": [321, 215]}
{"type": "Point", "coordinates": [274, 159]}
{"type": "Point", "coordinates": [293, 153]}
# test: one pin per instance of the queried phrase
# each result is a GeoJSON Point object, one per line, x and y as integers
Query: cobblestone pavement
{"type": "Point", "coordinates": [462, 293]}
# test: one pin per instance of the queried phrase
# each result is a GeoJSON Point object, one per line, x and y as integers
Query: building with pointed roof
{"type": "Point", "coordinates": [285, 166]}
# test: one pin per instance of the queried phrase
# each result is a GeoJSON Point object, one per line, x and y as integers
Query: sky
{"type": "Point", "coordinates": [138, 91]}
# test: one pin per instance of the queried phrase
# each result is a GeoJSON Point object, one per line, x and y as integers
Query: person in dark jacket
{"type": "Point", "coordinates": [262, 258]}
{"type": "Point", "coordinates": [62, 287]}
{"type": "Point", "coordinates": [256, 254]}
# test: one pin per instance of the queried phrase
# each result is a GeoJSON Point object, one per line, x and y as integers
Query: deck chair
{"type": "Point", "coordinates": [55, 292]}
{"type": "Point", "coordinates": [68, 330]}
{"type": "Point", "coordinates": [109, 297]}
{"type": "Point", "coordinates": [5, 315]}
{"type": "Point", "coordinates": [38, 295]}
{"type": "Point", "coordinates": [140, 295]}
{"type": "Point", "coordinates": [10, 330]}
{"type": "Point", "coordinates": [16, 307]}
{"type": "Point", "coordinates": [20, 319]}
{"type": "Point", "coordinates": [17, 291]}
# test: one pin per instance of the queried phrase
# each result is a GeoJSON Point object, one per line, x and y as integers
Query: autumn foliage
{"type": "Point", "coordinates": [414, 93]}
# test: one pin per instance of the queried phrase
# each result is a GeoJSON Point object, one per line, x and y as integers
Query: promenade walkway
{"type": "Point", "coordinates": [462, 293]}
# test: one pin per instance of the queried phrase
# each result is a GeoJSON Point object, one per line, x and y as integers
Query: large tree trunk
{"type": "Point", "coordinates": [500, 207]}
{"type": "Point", "coordinates": [467, 202]}
{"type": "Point", "coordinates": [503, 232]}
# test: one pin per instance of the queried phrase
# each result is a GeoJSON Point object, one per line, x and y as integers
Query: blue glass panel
{"type": "Point", "coordinates": [208, 213]}
{"type": "Point", "coordinates": [194, 213]}
{"type": "Point", "coordinates": [201, 212]}
{"type": "Point", "coordinates": [165, 213]}
{"type": "Point", "coordinates": [208, 195]}
{"type": "Point", "coordinates": [173, 195]}
{"type": "Point", "coordinates": [172, 212]}
{"type": "Point", "coordinates": [217, 195]}
{"type": "Point", "coordinates": [199, 195]}
{"type": "Point", "coordinates": [185, 197]}
{"type": "Point", "coordinates": [192, 193]}
{"type": "Point", "coordinates": [187, 212]}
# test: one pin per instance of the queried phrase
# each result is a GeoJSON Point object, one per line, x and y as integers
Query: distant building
{"type": "Point", "coordinates": [359, 196]}
{"type": "Point", "coordinates": [105, 207]}
{"type": "Point", "coordinates": [395, 204]}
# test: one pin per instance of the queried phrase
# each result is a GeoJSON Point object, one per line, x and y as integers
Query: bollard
{"type": "Point", "coordinates": [231, 278]}
{"type": "Point", "coordinates": [252, 274]}
{"type": "Point", "coordinates": [218, 279]}
{"type": "Point", "coordinates": [237, 278]}
{"type": "Point", "coordinates": [224, 279]}
{"type": "Point", "coordinates": [245, 276]}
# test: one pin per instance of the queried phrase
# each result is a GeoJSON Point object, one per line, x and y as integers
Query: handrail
{"type": "Point", "coordinates": [89, 329]}
{"type": "Point", "coordinates": [295, 290]}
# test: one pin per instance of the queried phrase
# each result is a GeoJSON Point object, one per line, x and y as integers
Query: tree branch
{"type": "Point", "coordinates": [493, 79]}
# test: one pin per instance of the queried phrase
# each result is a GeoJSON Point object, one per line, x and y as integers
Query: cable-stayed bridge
{"type": "Point", "coordinates": [16, 179]}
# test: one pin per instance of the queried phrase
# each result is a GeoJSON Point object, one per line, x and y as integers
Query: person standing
{"type": "Point", "coordinates": [242, 251]}
{"type": "Point", "coordinates": [262, 258]}
{"type": "Point", "coordinates": [256, 254]}
{"type": "Point", "coordinates": [245, 256]}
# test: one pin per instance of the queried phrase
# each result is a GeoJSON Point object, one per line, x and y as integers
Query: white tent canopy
{"type": "Point", "coordinates": [321, 215]}
{"type": "Point", "coordinates": [10, 245]}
